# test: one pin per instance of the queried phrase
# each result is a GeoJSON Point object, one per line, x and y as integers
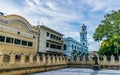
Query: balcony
{"type": "Point", "coordinates": [54, 40]}
{"type": "Point", "coordinates": [48, 38]}
{"type": "Point", "coordinates": [54, 50]}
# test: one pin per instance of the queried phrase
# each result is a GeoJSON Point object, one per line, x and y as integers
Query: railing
{"type": "Point", "coordinates": [54, 50]}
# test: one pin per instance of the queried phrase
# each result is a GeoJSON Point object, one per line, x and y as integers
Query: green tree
{"type": "Point", "coordinates": [109, 31]}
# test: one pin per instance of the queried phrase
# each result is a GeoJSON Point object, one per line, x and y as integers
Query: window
{"type": "Point", "coordinates": [52, 36]}
{"type": "Point", "coordinates": [83, 37]}
{"type": "Point", "coordinates": [17, 41]}
{"type": "Point", "coordinates": [30, 44]}
{"type": "Point", "coordinates": [2, 38]}
{"type": "Point", "coordinates": [65, 47]}
{"type": "Point", "coordinates": [47, 33]}
{"type": "Point", "coordinates": [6, 58]}
{"type": "Point", "coordinates": [47, 44]}
{"type": "Point", "coordinates": [75, 47]}
{"type": "Point", "coordinates": [58, 47]}
{"type": "Point", "coordinates": [17, 57]}
{"type": "Point", "coordinates": [52, 46]}
{"type": "Point", "coordinates": [24, 42]}
{"type": "Point", "coordinates": [59, 38]}
{"type": "Point", "coordinates": [83, 43]}
{"type": "Point", "coordinates": [9, 40]}
{"type": "Point", "coordinates": [72, 47]}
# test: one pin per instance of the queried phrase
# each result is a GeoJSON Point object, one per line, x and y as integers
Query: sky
{"type": "Point", "coordinates": [64, 16]}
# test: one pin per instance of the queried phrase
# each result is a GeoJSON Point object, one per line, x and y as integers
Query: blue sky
{"type": "Point", "coordinates": [65, 16]}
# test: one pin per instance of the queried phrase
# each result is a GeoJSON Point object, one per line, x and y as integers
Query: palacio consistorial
{"type": "Point", "coordinates": [18, 36]}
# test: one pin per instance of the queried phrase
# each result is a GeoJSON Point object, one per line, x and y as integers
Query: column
{"type": "Point", "coordinates": [1, 59]}
{"type": "Point", "coordinates": [112, 60]}
{"type": "Point", "coordinates": [22, 59]}
{"type": "Point", "coordinates": [53, 59]}
{"type": "Point", "coordinates": [84, 60]}
{"type": "Point", "coordinates": [12, 59]}
{"type": "Point", "coordinates": [104, 60]}
{"type": "Point", "coordinates": [38, 59]}
{"type": "Point", "coordinates": [44, 59]}
{"type": "Point", "coordinates": [31, 58]}
{"type": "Point", "coordinates": [48, 60]}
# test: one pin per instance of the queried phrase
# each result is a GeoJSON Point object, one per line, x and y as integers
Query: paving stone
{"type": "Point", "coordinates": [80, 71]}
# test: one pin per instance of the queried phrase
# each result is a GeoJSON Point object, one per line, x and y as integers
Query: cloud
{"type": "Point", "coordinates": [64, 16]}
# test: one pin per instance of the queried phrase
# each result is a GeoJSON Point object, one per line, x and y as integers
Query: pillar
{"type": "Point", "coordinates": [12, 59]}
{"type": "Point", "coordinates": [53, 60]}
{"type": "Point", "coordinates": [38, 59]}
{"type": "Point", "coordinates": [31, 58]}
{"type": "Point", "coordinates": [104, 60]}
{"type": "Point", "coordinates": [48, 60]}
{"type": "Point", "coordinates": [57, 59]}
{"type": "Point", "coordinates": [78, 59]}
{"type": "Point", "coordinates": [1, 59]}
{"type": "Point", "coordinates": [22, 61]}
{"type": "Point", "coordinates": [84, 60]}
{"type": "Point", "coordinates": [44, 59]}
{"type": "Point", "coordinates": [112, 60]}
{"type": "Point", "coordinates": [60, 59]}
{"type": "Point", "coordinates": [63, 59]}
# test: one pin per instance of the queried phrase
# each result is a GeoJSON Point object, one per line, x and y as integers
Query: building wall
{"type": "Point", "coordinates": [16, 27]}
{"type": "Point", "coordinates": [44, 39]}
{"type": "Point", "coordinates": [74, 48]}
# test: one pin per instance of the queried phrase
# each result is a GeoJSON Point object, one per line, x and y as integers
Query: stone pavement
{"type": "Point", "coordinates": [80, 71]}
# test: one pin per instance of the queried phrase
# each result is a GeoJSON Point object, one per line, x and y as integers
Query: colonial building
{"type": "Point", "coordinates": [75, 48]}
{"type": "Point", "coordinates": [50, 41]}
{"type": "Point", "coordinates": [17, 36]}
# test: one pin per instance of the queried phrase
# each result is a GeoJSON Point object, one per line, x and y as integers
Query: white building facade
{"type": "Point", "coordinates": [75, 48]}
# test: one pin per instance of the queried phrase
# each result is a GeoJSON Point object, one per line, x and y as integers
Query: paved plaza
{"type": "Point", "coordinates": [80, 71]}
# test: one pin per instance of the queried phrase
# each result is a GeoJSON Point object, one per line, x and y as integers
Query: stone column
{"type": "Point", "coordinates": [99, 62]}
{"type": "Point", "coordinates": [112, 60]}
{"type": "Point", "coordinates": [60, 59]}
{"type": "Point", "coordinates": [66, 60]}
{"type": "Point", "coordinates": [58, 62]}
{"type": "Point", "coordinates": [12, 59]}
{"type": "Point", "coordinates": [72, 60]}
{"type": "Point", "coordinates": [48, 60]}
{"type": "Point", "coordinates": [1, 59]}
{"type": "Point", "coordinates": [31, 58]}
{"type": "Point", "coordinates": [63, 59]}
{"type": "Point", "coordinates": [119, 61]}
{"type": "Point", "coordinates": [38, 59]}
{"type": "Point", "coordinates": [44, 59]}
{"type": "Point", "coordinates": [22, 61]}
{"type": "Point", "coordinates": [53, 60]}
{"type": "Point", "coordinates": [104, 60]}
{"type": "Point", "coordinates": [91, 61]}
{"type": "Point", "coordinates": [84, 60]}
{"type": "Point", "coordinates": [78, 59]}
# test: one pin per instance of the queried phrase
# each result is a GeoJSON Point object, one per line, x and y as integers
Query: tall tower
{"type": "Point", "coordinates": [83, 35]}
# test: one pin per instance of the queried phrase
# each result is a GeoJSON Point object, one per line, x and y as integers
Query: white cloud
{"type": "Point", "coordinates": [61, 15]}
